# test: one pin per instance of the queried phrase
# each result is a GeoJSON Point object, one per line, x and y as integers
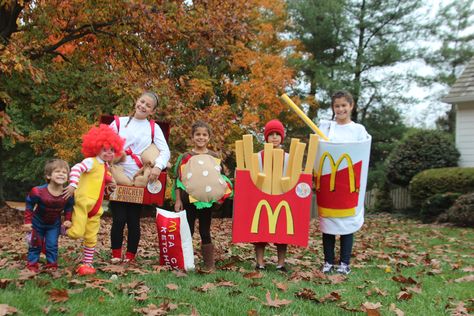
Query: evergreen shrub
{"type": "Point", "coordinates": [440, 181]}
{"type": "Point", "coordinates": [462, 211]}
{"type": "Point", "coordinates": [418, 151]}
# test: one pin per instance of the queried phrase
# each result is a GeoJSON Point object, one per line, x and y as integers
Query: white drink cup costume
{"type": "Point", "coordinates": [341, 168]}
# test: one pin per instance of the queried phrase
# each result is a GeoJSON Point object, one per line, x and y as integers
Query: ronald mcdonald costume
{"type": "Point", "coordinates": [88, 199]}
{"type": "Point", "coordinates": [91, 178]}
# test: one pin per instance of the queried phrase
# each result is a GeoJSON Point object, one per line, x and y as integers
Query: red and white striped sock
{"type": "Point", "coordinates": [88, 255]}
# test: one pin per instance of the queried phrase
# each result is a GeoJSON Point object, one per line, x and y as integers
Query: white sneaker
{"type": "Point", "coordinates": [327, 268]}
{"type": "Point", "coordinates": [116, 260]}
{"type": "Point", "coordinates": [343, 268]}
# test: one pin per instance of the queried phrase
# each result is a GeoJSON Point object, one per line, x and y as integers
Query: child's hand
{"type": "Point", "coordinates": [110, 188]}
{"type": "Point", "coordinates": [154, 174]}
{"type": "Point", "coordinates": [178, 206]}
{"type": "Point", "coordinates": [67, 224]}
{"type": "Point", "coordinates": [68, 191]}
{"type": "Point", "coordinates": [26, 227]}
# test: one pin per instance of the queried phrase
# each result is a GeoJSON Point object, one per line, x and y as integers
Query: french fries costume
{"type": "Point", "coordinates": [272, 206]}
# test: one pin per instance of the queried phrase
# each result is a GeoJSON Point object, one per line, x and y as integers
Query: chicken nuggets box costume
{"type": "Point", "coordinates": [138, 190]}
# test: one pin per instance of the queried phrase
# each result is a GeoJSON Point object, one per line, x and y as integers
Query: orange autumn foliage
{"type": "Point", "coordinates": [221, 61]}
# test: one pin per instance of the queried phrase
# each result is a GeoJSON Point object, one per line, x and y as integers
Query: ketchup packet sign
{"type": "Point", "coordinates": [175, 241]}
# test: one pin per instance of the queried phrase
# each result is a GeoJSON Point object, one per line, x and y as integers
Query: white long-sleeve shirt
{"type": "Point", "coordinates": [137, 136]}
{"type": "Point", "coordinates": [351, 132]}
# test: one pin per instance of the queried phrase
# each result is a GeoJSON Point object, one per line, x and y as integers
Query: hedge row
{"type": "Point", "coordinates": [440, 181]}
{"type": "Point", "coordinates": [462, 212]}
{"type": "Point", "coordinates": [418, 151]}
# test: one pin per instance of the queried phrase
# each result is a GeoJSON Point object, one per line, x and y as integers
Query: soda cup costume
{"type": "Point", "coordinates": [342, 165]}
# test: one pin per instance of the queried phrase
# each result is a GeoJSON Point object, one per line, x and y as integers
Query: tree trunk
{"type": "Point", "coordinates": [9, 13]}
{"type": "Point", "coordinates": [358, 63]}
{"type": "Point", "coordinates": [2, 197]}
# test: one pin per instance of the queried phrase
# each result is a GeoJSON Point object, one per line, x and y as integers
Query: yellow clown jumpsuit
{"type": "Point", "coordinates": [88, 204]}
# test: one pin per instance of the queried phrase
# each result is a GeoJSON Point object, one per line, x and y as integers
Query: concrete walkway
{"type": "Point", "coordinates": [16, 205]}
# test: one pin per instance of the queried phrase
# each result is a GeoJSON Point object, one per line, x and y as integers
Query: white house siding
{"type": "Point", "coordinates": [465, 133]}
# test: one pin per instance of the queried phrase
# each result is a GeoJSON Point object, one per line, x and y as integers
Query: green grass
{"type": "Point", "coordinates": [433, 256]}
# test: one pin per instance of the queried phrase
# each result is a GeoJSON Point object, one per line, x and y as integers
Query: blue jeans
{"type": "Point", "coordinates": [46, 234]}
{"type": "Point", "coordinates": [329, 242]}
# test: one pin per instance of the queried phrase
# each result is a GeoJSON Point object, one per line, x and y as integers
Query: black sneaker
{"type": "Point", "coordinates": [281, 268]}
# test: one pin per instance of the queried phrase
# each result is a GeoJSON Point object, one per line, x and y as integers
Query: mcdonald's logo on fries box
{"type": "Point", "coordinates": [341, 177]}
{"type": "Point", "coordinates": [262, 217]}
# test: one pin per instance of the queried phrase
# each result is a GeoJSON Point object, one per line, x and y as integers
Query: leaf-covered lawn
{"type": "Point", "coordinates": [399, 267]}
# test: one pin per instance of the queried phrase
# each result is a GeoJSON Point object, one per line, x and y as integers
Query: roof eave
{"type": "Point", "coordinates": [461, 99]}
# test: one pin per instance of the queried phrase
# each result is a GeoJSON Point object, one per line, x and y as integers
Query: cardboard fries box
{"type": "Point", "coordinates": [261, 217]}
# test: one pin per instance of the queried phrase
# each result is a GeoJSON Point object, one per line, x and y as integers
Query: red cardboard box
{"type": "Point", "coordinates": [262, 217]}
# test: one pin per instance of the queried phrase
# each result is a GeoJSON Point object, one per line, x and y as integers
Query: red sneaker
{"type": "Point", "coordinates": [115, 260]}
{"type": "Point", "coordinates": [34, 267]}
{"type": "Point", "coordinates": [52, 266]}
{"type": "Point", "coordinates": [129, 257]}
{"type": "Point", "coordinates": [85, 269]}
{"type": "Point", "coordinates": [116, 256]}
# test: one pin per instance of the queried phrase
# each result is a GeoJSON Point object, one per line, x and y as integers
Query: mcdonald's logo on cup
{"type": "Point", "coordinates": [273, 217]}
{"type": "Point", "coordinates": [338, 192]}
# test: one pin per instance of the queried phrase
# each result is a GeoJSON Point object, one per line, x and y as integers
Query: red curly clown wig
{"type": "Point", "coordinates": [101, 137]}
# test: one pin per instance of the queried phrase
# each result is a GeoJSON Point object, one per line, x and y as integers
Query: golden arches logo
{"type": "Point", "coordinates": [273, 217]}
{"type": "Point", "coordinates": [172, 226]}
{"type": "Point", "coordinates": [334, 167]}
